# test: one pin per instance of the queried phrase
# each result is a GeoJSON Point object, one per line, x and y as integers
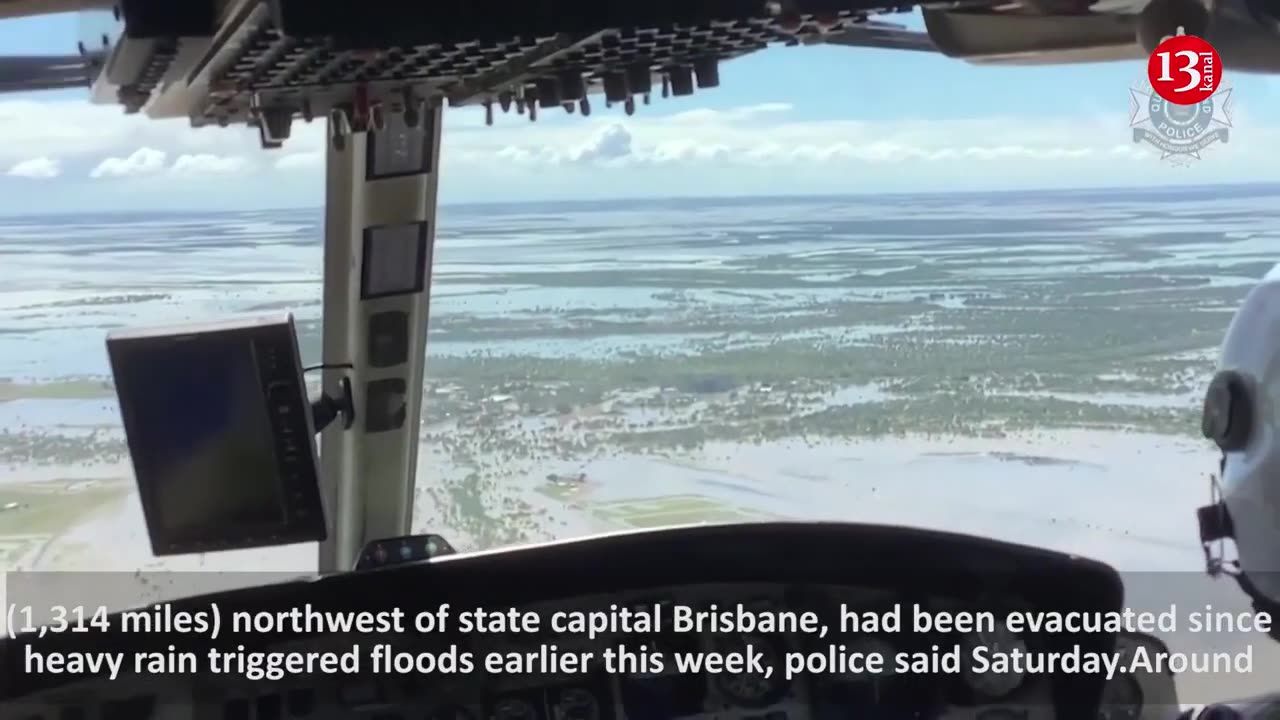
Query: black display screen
{"type": "Point", "coordinates": [198, 429]}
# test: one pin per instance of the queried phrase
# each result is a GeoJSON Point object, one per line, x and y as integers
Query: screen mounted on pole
{"type": "Point", "coordinates": [221, 434]}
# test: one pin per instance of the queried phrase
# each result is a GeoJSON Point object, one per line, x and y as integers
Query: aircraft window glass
{"type": "Point", "coordinates": [844, 283]}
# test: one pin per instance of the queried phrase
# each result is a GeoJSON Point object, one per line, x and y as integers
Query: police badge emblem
{"type": "Point", "coordinates": [1179, 132]}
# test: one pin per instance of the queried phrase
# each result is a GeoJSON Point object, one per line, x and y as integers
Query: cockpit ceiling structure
{"type": "Point", "coordinates": [238, 61]}
{"type": "Point", "coordinates": [268, 62]}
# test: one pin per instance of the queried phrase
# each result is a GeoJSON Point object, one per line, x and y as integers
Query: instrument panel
{"type": "Point", "coordinates": [700, 569]}
{"type": "Point", "coordinates": [648, 693]}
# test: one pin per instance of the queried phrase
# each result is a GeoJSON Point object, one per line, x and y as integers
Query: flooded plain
{"type": "Point", "coordinates": [632, 346]}
{"type": "Point", "coordinates": [1022, 366]}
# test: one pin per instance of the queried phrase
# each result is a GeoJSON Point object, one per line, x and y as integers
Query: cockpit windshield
{"type": "Point", "coordinates": [848, 284]}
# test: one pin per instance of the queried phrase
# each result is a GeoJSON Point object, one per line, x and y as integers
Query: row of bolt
{"type": "Point", "coordinates": [363, 115]}
{"type": "Point", "coordinates": [568, 88]}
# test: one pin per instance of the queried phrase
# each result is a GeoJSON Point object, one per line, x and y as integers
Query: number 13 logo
{"type": "Point", "coordinates": [1184, 70]}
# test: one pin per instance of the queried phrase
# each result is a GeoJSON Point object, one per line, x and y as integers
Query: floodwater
{"type": "Point", "coordinates": [1080, 492]}
{"type": "Point", "coordinates": [935, 277]}
{"type": "Point", "coordinates": [70, 282]}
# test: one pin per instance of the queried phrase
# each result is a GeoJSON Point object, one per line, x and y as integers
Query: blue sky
{"type": "Point", "coordinates": [787, 120]}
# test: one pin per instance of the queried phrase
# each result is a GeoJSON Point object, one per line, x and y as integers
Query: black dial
{"type": "Point", "coordinates": [451, 712]}
{"type": "Point", "coordinates": [998, 679]}
{"type": "Point", "coordinates": [1003, 714]}
{"type": "Point", "coordinates": [577, 704]}
{"type": "Point", "coordinates": [866, 648]}
{"type": "Point", "coordinates": [514, 709]}
{"type": "Point", "coordinates": [650, 646]}
{"type": "Point", "coordinates": [752, 688]}
{"type": "Point", "coordinates": [1121, 699]}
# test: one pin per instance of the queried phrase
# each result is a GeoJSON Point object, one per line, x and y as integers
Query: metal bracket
{"type": "Point", "coordinates": [380, 212]}
{"type": "Point", "coordinates": [328, 408]}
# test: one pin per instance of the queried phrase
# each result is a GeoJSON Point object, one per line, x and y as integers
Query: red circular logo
{"type": "Point", "coordinates": [1184, 70]}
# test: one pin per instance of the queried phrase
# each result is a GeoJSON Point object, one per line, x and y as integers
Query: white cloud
{"type": "Point", "coordinates": [147, 161]}
{"type": "Point", "coordinates": [308, 160]}
{"type": "Point", "coordinates": [737, 137]}
{"type": "Point", "coordinates": [764, 133]}
{"type": "Point", "coordinates": [41, 168]}
{"type": "Point", "coordinates": [144, 161]}
{"type": "Point", "coordinates": [756, 148]}
{"type": "Point", "coordinates": [206, 164]}
{"type": "Point", "coordinates": [762, 111]}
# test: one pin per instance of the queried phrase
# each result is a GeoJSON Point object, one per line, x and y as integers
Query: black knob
{"type": "Point", "coordinates": [681, 80]}
{"type": "Point", "coordinates": [707, 72]}
{"type": "Point", "coordinates": [639, 78]}
{"type": "Point", "coordinates": [548, 92]}
{"type": "Point", "coordinates": [573, 86]}
{"type": "Point", "coordinates": [1220, 712]}
{"type": "Point", "coordinates": [1227, 418]}
{"type": "Point", "coordinates": [615, 87]}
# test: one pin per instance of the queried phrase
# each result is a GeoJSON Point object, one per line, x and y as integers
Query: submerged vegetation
{"type": "Point", "coordinates": [999, 358]}
{"type": "Point", "coordinates": [752, 329]}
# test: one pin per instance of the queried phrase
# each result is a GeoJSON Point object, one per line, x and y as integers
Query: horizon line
{"type": "Point", "coordinates": [1273, 186]}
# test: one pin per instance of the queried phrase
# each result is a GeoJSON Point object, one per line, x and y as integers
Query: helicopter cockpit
{"type": "Point", "coordinates": [223, 435]}
{"type": "Point", "coordinates": [232, 465]}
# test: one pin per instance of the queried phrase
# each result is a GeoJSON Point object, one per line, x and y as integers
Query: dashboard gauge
{"type": "Point", "coordinates": [866, 647]}
{"type": "Point", "coordinates": [650, 646]}
{"type": "Point", "coordinates": [996, 678]}
{"type": "Point", "coordinates": [452, 712]}
{"type": "Point", "coordinates": [1003, 714]}
{"type": "Point", "coordinates": [747, 689]}
{"type": "Point", "coordinates": [514, 709]}
{"type": "Point", "coordinates": [1121, 699]}
{"type": "Point", "coordinates": [648, 674]}
{"type": "Point", "coordinates": [577, 704]}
